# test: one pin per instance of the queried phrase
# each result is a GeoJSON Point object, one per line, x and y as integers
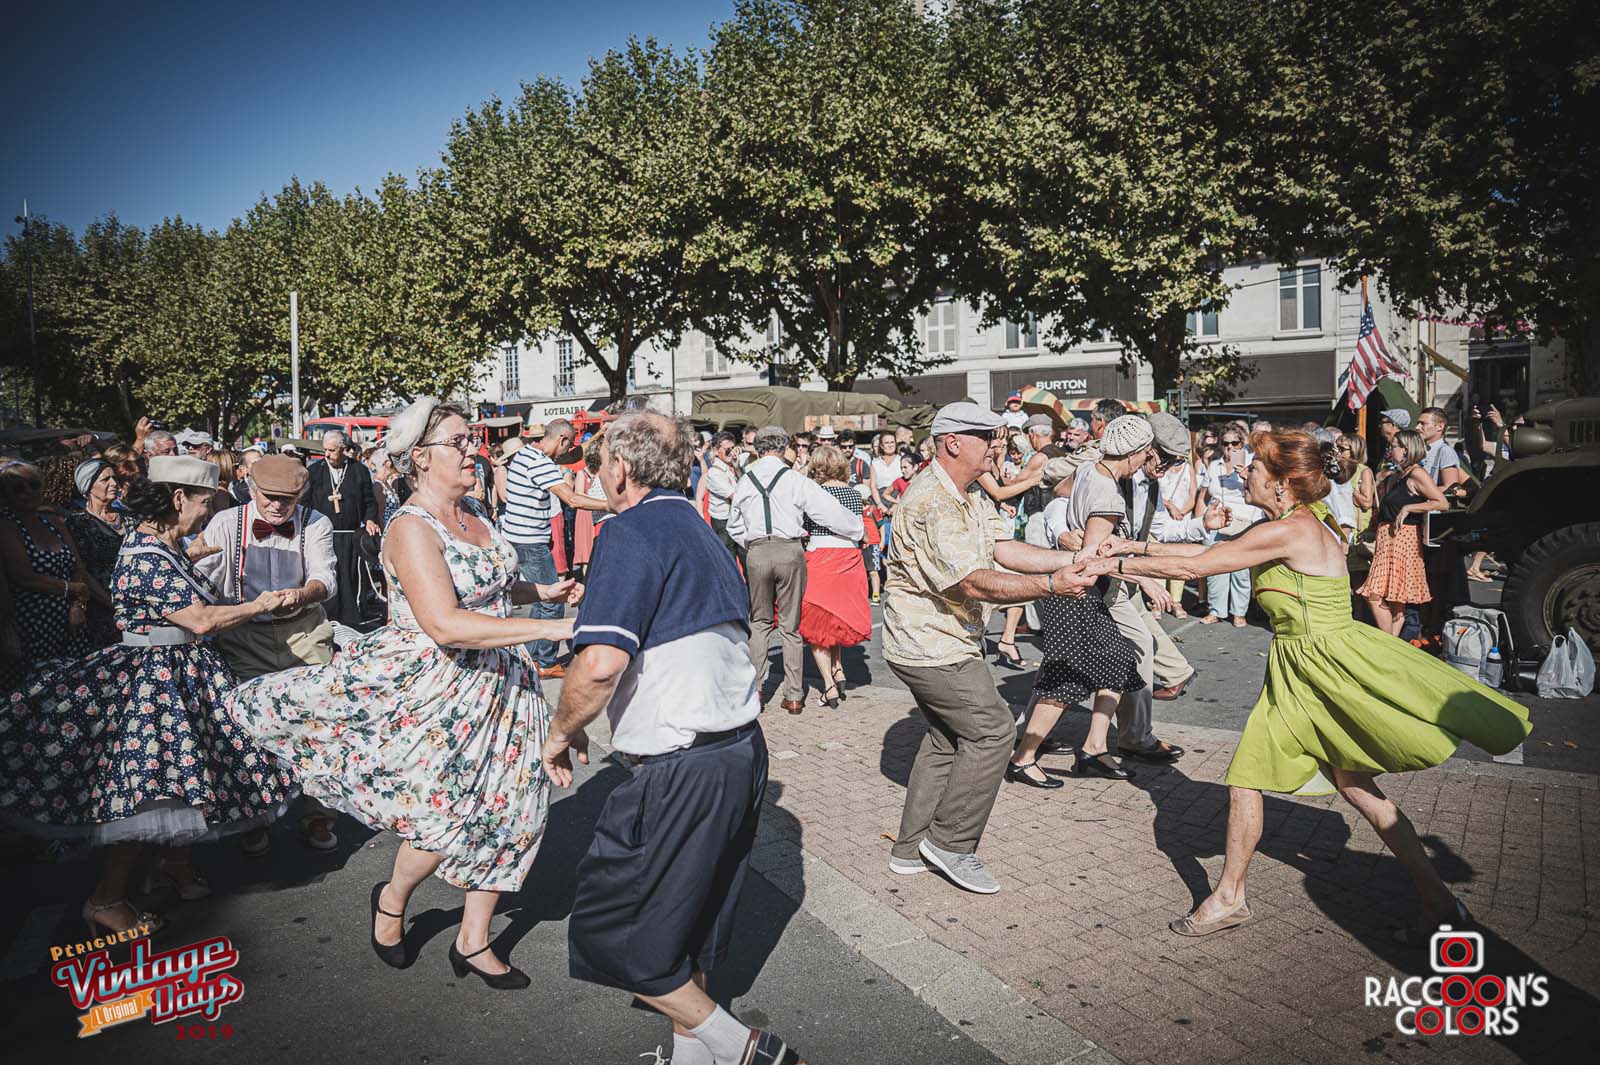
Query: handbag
{"type": "Point", "coordinates": [1568, 670]}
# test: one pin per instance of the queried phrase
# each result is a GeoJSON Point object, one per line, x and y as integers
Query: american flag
{"type": "Point", "coordinates": [1372, 361]}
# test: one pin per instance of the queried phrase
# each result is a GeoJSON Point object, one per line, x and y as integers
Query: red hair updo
{"type": "Point", "coordinates": [1307, 467]}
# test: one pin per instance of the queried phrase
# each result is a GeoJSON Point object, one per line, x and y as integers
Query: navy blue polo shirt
{"type": "Point", "coordinates": [663, 589]}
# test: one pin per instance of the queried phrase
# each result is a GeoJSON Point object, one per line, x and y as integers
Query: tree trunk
{"type": "Point", "coordinates": [1163, 350]}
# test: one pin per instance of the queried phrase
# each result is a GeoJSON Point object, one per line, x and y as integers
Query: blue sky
{"type": "Point", "coordinates": [195, 109]}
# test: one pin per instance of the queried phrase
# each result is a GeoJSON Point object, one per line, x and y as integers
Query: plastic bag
{"type": "Point", "coordinates": [1568, 670]}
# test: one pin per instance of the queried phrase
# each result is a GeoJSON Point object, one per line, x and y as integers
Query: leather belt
{"type": "Point", "coordinates": [704, 739]}
{"type": "Point", "coordinates": [772, 540]}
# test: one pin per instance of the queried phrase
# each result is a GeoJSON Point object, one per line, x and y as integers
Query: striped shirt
{"type": "Point", "coordinates": [529, 502]}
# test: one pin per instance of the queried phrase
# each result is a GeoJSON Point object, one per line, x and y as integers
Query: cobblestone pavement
{"type": "Point", "coordinates": [1091, 874]}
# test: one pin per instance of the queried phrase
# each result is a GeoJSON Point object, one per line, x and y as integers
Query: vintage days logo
{"type": "Point", "coordinates": [167, 985]}
{"type": "Point", "coordinates": [1459, 999]}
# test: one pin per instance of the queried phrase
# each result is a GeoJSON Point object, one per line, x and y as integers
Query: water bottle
{"type": "Point", "coordinates": [1493, 669]}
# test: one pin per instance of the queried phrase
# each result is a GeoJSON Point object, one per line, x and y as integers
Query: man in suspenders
{"type": "Point", "coordinates": [273, 543]}
{"type": "Point", "coordinates": [767, 517]}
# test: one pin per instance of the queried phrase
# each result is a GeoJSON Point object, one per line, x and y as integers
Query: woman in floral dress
{"type": "Point", "coordinates": [131, 745]}
{"type": "Point", "coordinates": [431, 727]}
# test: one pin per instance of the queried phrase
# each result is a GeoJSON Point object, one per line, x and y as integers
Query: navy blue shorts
{"type": "Point", "coordinates": [657, 891]}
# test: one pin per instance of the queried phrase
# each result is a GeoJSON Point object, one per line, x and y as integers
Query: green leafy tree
{"type": "Point", "coordinates": [375, 320]}
{"type": "Point", "coordinates": [1117, 156]}
{"type": "Point", "coordinates": [833, 128]}
{"type": "Point", "coordinates": [1455, 155]}
{"type": "Point", "coordinates": [585, 212]}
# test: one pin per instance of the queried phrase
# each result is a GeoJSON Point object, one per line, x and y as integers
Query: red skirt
{"type": "Point", "coordinates": [835, 611]}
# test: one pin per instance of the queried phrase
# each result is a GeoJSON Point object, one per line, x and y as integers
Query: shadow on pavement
{"type": "Point", "coordinates": [1367, 896]}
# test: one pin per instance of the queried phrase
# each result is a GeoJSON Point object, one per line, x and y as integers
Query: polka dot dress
{"type": "Point", "coordinates": [41, 618]}
{"type": "Point", "coordinates": [1084, 651]}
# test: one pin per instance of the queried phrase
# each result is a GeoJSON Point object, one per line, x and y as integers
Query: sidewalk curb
{"type": "Point", "coordinates": [983, 1007]}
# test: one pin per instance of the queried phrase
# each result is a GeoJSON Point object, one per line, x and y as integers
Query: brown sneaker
{"type": "Point", "coordinates": [555, 672]}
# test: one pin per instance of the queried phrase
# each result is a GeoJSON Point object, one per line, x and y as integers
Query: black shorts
{"type": "Point", "coordinates": [657, 891]}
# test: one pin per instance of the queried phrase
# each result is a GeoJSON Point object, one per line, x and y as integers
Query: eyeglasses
{"type": "Point", "coordinates": [462, 443]}
{"type": "Point", "coordinates": [1233, 443]}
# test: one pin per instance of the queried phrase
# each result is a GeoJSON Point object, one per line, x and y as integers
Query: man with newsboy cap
{"type": "Point", "coordinates": [947, 550]}
{"type": "Point", "coordinates": [274, 543]}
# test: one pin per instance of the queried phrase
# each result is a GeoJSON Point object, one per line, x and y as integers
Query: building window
{"type": "Point", "coordinates": [1022, 335]}
{"type": "Point", "coordinates": [633, 373]}
{"type": "Point", "coordinates": [939, 327]}
{"type": "Point", "coordinates": [511, 372]}
{"type": "Point", "coordinates": [716, 361]}
{"type": "Point", "coordinates": [1300, 298]}
{"type": "Point", "coordinates": [1201, 323]}
{"type": "Point", "coordinates": [566, 369]}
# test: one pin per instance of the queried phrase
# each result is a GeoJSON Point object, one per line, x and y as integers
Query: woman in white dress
{"type": "Point", "coordinates": [431, 727]}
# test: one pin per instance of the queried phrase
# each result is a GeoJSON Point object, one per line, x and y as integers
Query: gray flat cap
{"type": "Point", "coordinates": [1040, 421]}
{"type": "Point", "coordinates": [965, 417]}
{"type": "Point", "coordinates": [1400, 416]}
{"type": "Point", "coordinates": [1171, 434]}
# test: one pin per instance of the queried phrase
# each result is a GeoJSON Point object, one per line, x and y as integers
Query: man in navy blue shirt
{"type": "Point", "coordinates": [662, 645]}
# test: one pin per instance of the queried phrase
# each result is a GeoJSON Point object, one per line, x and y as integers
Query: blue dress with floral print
{"type": "Point", "coordinates": [439, 745]}
{"type": "Point", "coordinates": [132, 743]}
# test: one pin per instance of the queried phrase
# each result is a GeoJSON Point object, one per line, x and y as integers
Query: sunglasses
{"type": "Point", "coordinates": [1233, 443]}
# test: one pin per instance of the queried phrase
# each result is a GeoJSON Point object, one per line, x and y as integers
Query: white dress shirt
{"type": "Point", "coordinates": [1164, 528]}
{"type": "Point", "coordinates": [274, 564]}
{"type": "Point", "coordinates": [720, 481]}
{"type": "Point", "coordinates": [794, 497]}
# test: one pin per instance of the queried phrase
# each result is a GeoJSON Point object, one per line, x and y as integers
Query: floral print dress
{"type": "Point", "coordinates": [439, 745]}
{"type": "Point", "coordinates": [132, 742]}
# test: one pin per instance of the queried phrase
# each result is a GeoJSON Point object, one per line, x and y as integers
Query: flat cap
{"type": "Point", "coordinates": [1172, 436]}
{"type": "Point", "coordinates": [1126, 435]}
{"type": "Point", "coordinates": [279, 475]}
{"type": "Point", "coordinates": [965, 417]}
{"type": "Point", "coordinates": [1400, 416]}
{"type": "Point", "coordinates": [1040, 421]}
{"type": "Point", "coordinates": [183, 469]}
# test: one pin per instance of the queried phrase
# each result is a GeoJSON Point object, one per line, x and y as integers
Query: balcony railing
{"type": "Point", "coordinates": [564, 386]}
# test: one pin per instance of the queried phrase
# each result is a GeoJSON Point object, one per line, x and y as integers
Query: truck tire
{"type": "Point", "coordinates": [1555, 584]}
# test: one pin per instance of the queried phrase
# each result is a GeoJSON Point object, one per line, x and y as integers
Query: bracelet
{"type": "Point", "coordinates": [1051, 578]}
{"type": "Point", "coordinates": [1120, 561]}
{"type": "Point", "coordinates": [66, 589]}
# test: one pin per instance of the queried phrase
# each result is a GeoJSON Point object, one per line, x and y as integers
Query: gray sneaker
{"type": "Point", "coordinates": [965, 870]}
{"type": "Point", "coordinates": [907, 866]}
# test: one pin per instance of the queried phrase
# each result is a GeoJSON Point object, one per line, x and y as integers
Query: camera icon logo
{"type": "Point", "coordinates": [1455, 952]}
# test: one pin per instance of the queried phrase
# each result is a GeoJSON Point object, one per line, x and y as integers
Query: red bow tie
{"type": "Point", "coordinates": [263, 529]}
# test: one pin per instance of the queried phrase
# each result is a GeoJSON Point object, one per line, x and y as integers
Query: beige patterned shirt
{"type": "Point", "coordinates": [939, 535]}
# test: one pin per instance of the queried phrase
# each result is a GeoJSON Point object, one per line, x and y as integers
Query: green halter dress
{"type": "Point", "coordinates": [1341, 693]}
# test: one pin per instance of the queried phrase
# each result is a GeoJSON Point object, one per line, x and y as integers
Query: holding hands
{"type": "Point", "coordinates": [566, 591]}
{"type": "Point", "coordinates": [271, 601]}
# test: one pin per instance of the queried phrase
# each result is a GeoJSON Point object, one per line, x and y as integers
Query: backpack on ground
{"type": "Point", "coordinates": [1477, 641]}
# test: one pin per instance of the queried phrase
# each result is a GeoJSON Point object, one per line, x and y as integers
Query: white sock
{"type": "Point", "coordinates": [724, 1036]}
{"type": "Point", "coordinates": [687, 1050]}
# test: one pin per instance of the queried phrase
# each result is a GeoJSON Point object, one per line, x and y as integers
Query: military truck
{"type": "Point", "coordinates": [1540, 515]}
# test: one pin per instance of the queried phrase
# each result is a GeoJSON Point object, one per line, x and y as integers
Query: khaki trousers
{"type": "Point", "coordinates": [1134, 708]}
{"type": "Point", "coordinates": [1168, 664]}
{"type": "Point", "coordinates": [257, 648]}
{"type": "Point", "coordinates": [775, 571]}
{"type": "Point", "coordinates": [957, 771]}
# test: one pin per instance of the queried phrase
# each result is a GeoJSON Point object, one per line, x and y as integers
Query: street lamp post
{"type": "Point", "coordinates": [33, 342]}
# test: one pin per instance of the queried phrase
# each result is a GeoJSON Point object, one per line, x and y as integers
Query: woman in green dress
{"type": "Point", "coordinates": [1342, 702]}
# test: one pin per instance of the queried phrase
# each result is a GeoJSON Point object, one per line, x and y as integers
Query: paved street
{"type": "Point", "coordinates": [315, 993]}
{"type": "Point", "coordinates": [1072, 962]}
